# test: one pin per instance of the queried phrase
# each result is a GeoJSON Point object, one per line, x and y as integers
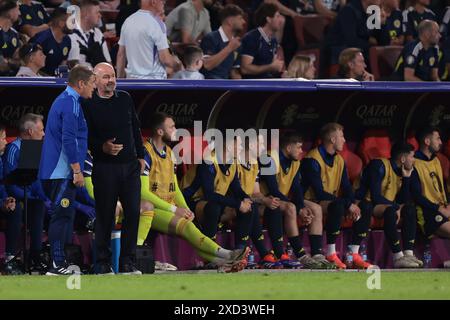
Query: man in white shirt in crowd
{"type": "Point", "coordinates": [143, 33]}
{"type": "Point", "coordinates": [189, 22]}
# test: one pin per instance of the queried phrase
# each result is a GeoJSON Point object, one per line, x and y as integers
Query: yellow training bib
{"type": "Point", "coordinates": [431, 180]}
{"type": "Point", "coordinates": [161, 175]}
{"type": "Point", "coordinates": [330, 176]}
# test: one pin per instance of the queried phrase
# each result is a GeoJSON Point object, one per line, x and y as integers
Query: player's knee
{"type": "Point", "coordinates": [147, 206]}
{"type": "Point", "coordinates": [390, 213]}
{"type": "Point", "coordinates": [291, 209]}
{"type": "Point", "coordinates": [336, 207]}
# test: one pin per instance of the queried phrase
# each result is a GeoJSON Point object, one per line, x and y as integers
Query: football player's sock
{"type": "Point", "coordinates": [409, 225]}
{"type": "Point", "coordinates": [336, 211]}
{"type": "Point", "coordinates": [297, 246]}
{"type": "Point", "coordinates": [274, 222]}
{"type": "Point", "coordinates": [390, 229]}
{"type": "Point", "coordinates": [145, 223]}
{"type": "Point", "coordinates": [315, 240]}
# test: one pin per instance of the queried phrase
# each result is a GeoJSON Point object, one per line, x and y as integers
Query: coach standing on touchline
{"type": "Point", "coordinates": [62, 161]}
{"type": "Point", "coordinates": [118, 160]}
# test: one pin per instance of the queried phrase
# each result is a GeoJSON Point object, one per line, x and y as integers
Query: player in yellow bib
{"type": "Point", "coordinates": [293, 211]}
{"type": "Point", "coordinates": [428, 188]}
{"type": "Point", "coordinates": [248, 173]}
{"type": "Point", "coordinates": [163, 207]}
{"type": "Point", "coordinates": [213, 188]}
{"type": "Point", "coordinates": [326, 182]}
{"type": "Point", "coordinates": [386, 184]}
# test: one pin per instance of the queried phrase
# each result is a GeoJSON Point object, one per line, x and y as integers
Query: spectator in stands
{"type": "Point", "coordinates": [412, 17]}
{"type": "Point", "coordinates": [326, 182]}
{"type": "Point", "coordinates": [444, 29]}
{"type": "Point", "coordinates": [349, 30]}
{"type": "Point", "coordinates": [418, 60]}
{"type": "Point", "coordinates": [353, 66]}
{"type": "Point", "coordinates": [326, 8]}
{"type": "Point", "coordinates": [31, 127]}
{"type": "Point", "coordinates": [62, 160]}
{"type": "Point", "coordinates": [54, 41]}
{"type": "Point", "coordinates": [386, 184]}
{"type": "Point", "coordinates": [8, 212]}
{"type": "Point", "coordinates": [88, 45]}
{"type": "Point", "coordinates": [301, 66]}
{"type": "Point", "coordinates": [259, 47]}
{"type": "Point", "coordinates": [285, 33]}
{"type": "Point", "coordinates": [33, 60]}
{"type": "Point", "coordinates": [391, 32]}
{"type": "Point", "coordinates": [34, 17]}
{"type": "Point", "coordinates": [193, 62]}
{"type": "Point", "coordinates": [118, 155]}
{"type": "Point", "coordinates": [428, 187]}
{"type": "Point", "coordinates": [221, 47]}
{"type": "Point", "coordinates": [189, 22]}
{"type": "Point", "coordinates": [142, 33]}
{"type": "Point", "coordinates": [9, 38]}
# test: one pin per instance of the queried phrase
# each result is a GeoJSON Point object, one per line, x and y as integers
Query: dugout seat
{"type": "Point", "coordinates": [353, 163]}
{"type": "Point", "coordinates": [191, 151]}
{"type": "Point", "coordinates": [447, 148]}
{"type": "Point", "coordinates": [375, 144]}
{"type": "Point", "coordinates": [382, 60]}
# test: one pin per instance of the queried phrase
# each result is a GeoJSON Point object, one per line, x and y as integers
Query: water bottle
{"type": "Point", "coordinates": [349, 257]}
{"type": "Point", "coordinates": [289, 250]}
{"type": "Point", "coordinates": [251, 257]}
{"type": "Point", "coordinates": [363, 252]}
{"type": "Point", "coordinates": [427, 259]}
{"type": "Point", "coordinates": [115, 250]}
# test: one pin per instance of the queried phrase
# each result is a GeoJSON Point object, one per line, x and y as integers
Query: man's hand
{"type": "Point", "coordinates": [306, 215]}
{"type": "Point", "coordinates": [234, 43]}
{"type": "Point", "coordinates": [398, 214]}
{"type": "Point", "coordinates": [407, 172]}
{"type": "Point", "coordinates": [78, 179]}
{"type": "Point", "coordinates": [184, 213]}
{"type": "Point", "coordinates": [368, 76]}
{"type": "Point", "coordinates": [111, 148]}
{"type": "Point", "coordinates": [9, 204]}
{"type": "Point", "coordinates": [246, 206]}
{"type": "Point", "coordinates": [271, 202]}
{"type": "Point", "coordinates": [277, 65]}
{"type": "Point", "coordinates": [355, 212]}
{"type": "Point", "coordinates": [142, 162]}
{"type": "Point", "coordinates": [445, 210]}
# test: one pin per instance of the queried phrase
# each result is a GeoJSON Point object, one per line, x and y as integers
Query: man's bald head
{"type": "Point", "coordinates": [105, 77]}
{"type": "Point", "coordinates": [103, 67]}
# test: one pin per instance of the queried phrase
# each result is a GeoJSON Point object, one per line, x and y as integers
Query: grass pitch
{"type": "Point", "coordinates": [245, 285]}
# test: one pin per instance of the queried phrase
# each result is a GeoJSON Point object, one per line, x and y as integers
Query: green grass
{"type": "Point", "coordinates": [246, 285]}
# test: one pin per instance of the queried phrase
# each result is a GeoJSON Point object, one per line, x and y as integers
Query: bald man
{"type": "Point", "coordinates": [118, 161]}
{"type": "Point", "coordinates": [419, 59]}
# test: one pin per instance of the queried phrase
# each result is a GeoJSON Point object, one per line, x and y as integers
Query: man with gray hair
{"type": "Point", "coordinates": [419, 59]}
{"type": "Point", "coordinates": [31, 127]}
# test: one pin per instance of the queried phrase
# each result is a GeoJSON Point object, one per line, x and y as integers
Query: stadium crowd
{"type": "Point", "coordinates": [197, 39]}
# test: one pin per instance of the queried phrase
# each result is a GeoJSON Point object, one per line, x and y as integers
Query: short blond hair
{"type": "Point", "coordinates": [328, 129]}
{"type": "Point", "coordinates": [299, 66]}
